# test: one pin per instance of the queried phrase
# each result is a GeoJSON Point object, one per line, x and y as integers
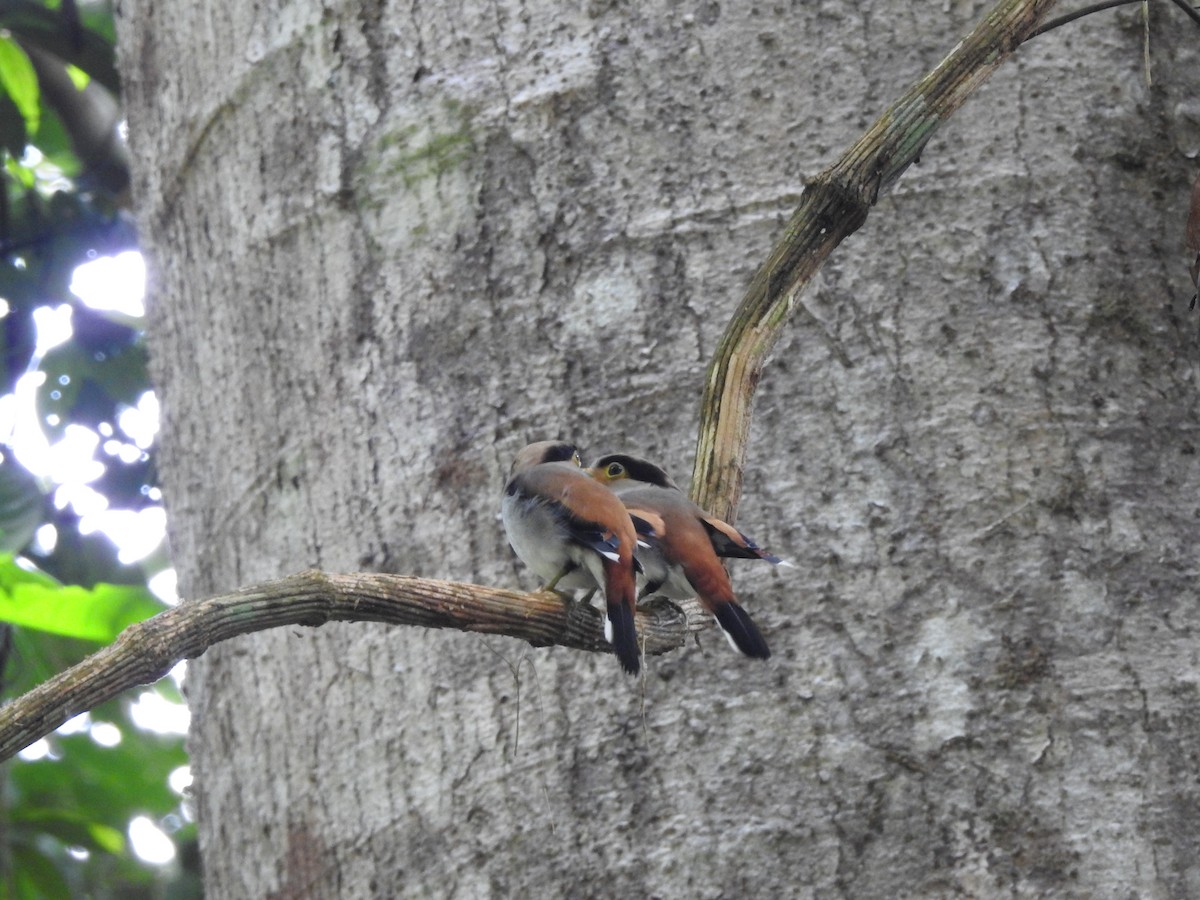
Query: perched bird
{"type": "Point", "coordinates": [574, 532]}
{"type": "Point", "coordinates": [681, 558]}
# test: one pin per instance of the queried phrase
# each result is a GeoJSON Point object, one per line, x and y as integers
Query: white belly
{"type": "Point", "coordinates": [544, 545]}
{"type": "Point", "coordinates": [671, 581]}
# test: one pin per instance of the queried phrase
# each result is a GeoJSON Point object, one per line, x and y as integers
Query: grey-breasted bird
{"type": "Point", "coordinates": [573, 532]}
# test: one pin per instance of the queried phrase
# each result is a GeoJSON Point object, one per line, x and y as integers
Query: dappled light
{"type": "Point", "coordinates": [113, 283]}
{"type": "Point", "coordinates": [150, 842]}
{"type": "Point", "coordinates": [82, 527]}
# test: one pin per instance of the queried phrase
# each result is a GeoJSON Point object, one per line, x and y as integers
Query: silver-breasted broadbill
{"type": "Point", "coordinates": [575, 533]}
{"type": "Point", "coordinates": [681, 558]}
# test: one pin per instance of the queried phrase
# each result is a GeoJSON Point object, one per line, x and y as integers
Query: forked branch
{"type": "Point", "coordinates": [833, 206]}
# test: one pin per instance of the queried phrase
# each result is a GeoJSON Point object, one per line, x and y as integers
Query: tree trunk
{"type": "Point", "coordinates": [391, 246]}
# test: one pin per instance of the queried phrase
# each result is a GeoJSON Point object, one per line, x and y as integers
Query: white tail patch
{"type": "Point", "coordinates": [729, 638]}
{"type": "Point", "coordinates": [608, 629]}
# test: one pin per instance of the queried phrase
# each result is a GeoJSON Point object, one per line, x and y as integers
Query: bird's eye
{"type": "Point", "coordinates": [615, 470]}
{"type": "Point", "coordinates": [575, 458]}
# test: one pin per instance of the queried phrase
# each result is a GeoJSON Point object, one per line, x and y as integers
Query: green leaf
{"type": "Point", "coordinates": [34, 600]}
{"type": "Point", "coordinates": [100, 373]}
{"type": "Point", "coordinates": [108, 785]}
{"type": "Point", "coordinates": [12, 575]}
{"type": "Point", "coordinates": [72, 827]}
{"type": "Point", "coordinates": [78, 77]}
{"type": "Point", "coordinates": [22, 505]}
{"type": "Point", "coordinates": [12, 127]}
{"type": "Point", "coordinates": [23, 175]}
{"type": "Point", "coordinates": [55, 144]}
{"type": "Point", "coordinates": [20, 81]}
{"type": "Point", "coordinates": [87, 798]}
{"type": "Point", "coordinates": [36, 875]}
{"type": "Point", "coordinates": [38, 26]}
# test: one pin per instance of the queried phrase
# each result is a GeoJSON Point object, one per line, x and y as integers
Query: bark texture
{"type": "Point", "coordinates": [391, 245]}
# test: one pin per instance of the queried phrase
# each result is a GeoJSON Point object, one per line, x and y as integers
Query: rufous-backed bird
{"type": "Point", "coordinates": [681, 558]}
{"type": "Point", "coordinates": [574, 533]}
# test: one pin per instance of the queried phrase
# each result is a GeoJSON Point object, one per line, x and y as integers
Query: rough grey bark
{"type": "Point", "coordinates": [392, 245]}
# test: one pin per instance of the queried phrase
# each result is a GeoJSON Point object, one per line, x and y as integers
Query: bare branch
{"type": "Point", "coordinates": [834, 205]}
{"type": "Point", "coordinates": [145, 652]}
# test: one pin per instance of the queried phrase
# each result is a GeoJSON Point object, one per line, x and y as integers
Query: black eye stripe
{"type": "Point", "coordinates": [561, 452]}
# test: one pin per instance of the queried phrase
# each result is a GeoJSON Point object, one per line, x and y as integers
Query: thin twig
{"type": "Point", "coordinates": [1068, 18]}
{"type": "Point", "coordinates": [1146, 43]}
{"type": "Point", "coordinates": [1192, 12]}
{"type": "Point", "coordinates": [145, 652]}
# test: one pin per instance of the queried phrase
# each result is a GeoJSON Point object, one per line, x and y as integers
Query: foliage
{"type": "Point", "coordinates": [62, 203]}
{"type": "Point", "coordinates": [33, 599]}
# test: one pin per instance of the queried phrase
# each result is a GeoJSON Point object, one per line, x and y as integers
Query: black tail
{"type": "Point", "coordinates": [622, 634]}
{"type": "Point", "coordinates": [740, 630]}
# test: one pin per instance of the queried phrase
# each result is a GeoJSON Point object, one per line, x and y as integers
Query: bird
{"type": "Point", "coordinates": [574, 533]}
{"type": "Point", "coordinates": [682, 557]}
